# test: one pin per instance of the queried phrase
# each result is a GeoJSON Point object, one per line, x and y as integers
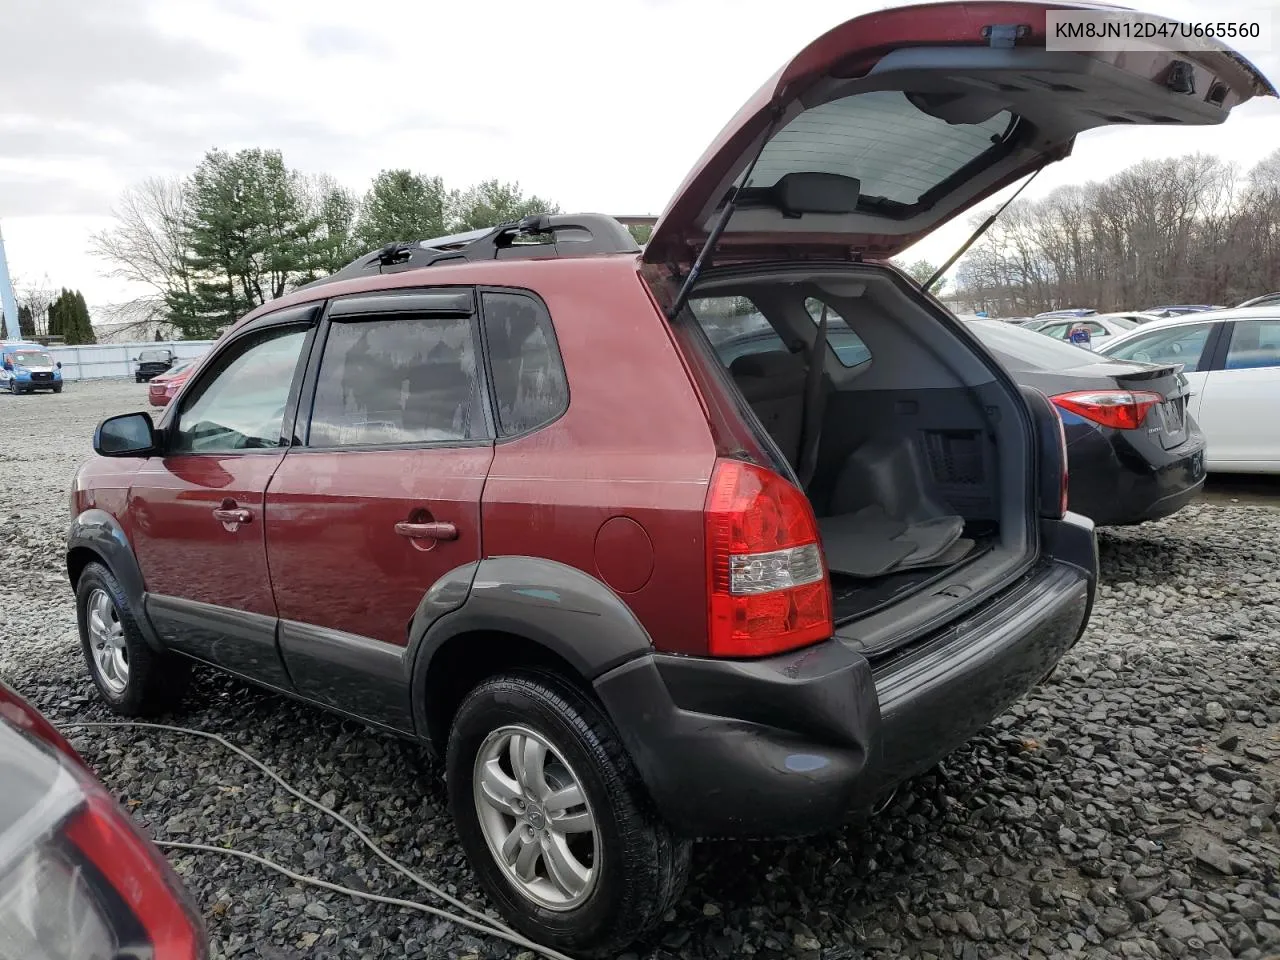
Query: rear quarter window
{"type": "Point", "coordinates": [527, 374]}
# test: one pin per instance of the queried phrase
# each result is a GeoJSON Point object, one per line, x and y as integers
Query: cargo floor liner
{"type": "Point", "coordinates": [869, 543]}
{"type": "Point", "coordinates": [854, 597]}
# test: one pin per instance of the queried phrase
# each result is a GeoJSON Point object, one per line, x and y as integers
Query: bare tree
{"type": "Point", "coordinates": [148, 244]}
{"type": "Point", "coordinates": [1181, 229]}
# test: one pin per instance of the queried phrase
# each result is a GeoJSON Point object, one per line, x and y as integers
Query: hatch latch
{"type": "Point", "coordinates": [1005, 35]}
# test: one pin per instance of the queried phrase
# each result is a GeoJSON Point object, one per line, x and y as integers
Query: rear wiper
{"type": "Point", "coordinates": [973, 237]}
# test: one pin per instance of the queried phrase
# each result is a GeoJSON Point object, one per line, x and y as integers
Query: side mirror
{"type": "Point", "coordinates": [58, 364]}
{"type": "Point", "coordinates": [127, 435]}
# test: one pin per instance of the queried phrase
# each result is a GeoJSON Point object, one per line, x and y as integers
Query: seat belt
{"type": "Point", "coordinates": [814, 401]}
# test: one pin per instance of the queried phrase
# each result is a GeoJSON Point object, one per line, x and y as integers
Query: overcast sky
{"type": "Point", "coordinates": [601, 106]}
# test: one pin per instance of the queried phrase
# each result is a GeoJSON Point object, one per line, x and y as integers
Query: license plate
{"type": "Point", "coordinates": [1175, 415]}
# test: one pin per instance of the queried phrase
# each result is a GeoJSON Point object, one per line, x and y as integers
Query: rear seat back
{"type": "Point", "coordinates": [773, 384]}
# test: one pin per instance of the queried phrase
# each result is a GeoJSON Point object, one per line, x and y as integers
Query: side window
{"type": "Point", "coordinates": [1095, 329]}
{"type": "Point", "coordinates": [1254, 343]}
{"type": "Point", "coordinates": [395, 380]}
{"type": "Point", "coordinates": [529, 386]}
{"type": "Point", "coordinates": [736, 327]}
{"type": "Point", "coordinates": [1183, 345]}
{"type": "Point", "coordinates": [847, 345]}
{"type": "Point", "coordinates": [1056, 330]}
{"type": "Point", "coordinates": [240, 405]}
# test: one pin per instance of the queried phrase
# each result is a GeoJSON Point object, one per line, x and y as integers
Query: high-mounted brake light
{"type": "Point", "coordinates": [766, 575]}
{"type": "Point", "coordinates": [1119, 409]}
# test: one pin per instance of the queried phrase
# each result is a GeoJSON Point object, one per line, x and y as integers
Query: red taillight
{"type": "Point", "coordinates": [109, 840]}
{"type": "Point", "coordinates": [766, 575]}
{"type": "Point", "coordinates": [1120, 409]}
{"type": "Point", "coordinates": [78, 878]}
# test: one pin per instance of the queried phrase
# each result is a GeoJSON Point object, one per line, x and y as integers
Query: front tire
{"type": "Point", "coordinates": [57, 388]}
{"type": "Point", "coordinates": [13, 387]}
{"type": "Point", "coordinates": [133, 679]}
{"type": "Point", "coordinates": [555, 819]}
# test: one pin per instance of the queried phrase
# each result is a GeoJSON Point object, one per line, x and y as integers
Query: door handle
{"type": "Point", "coordinates": [228, 514]}
{"type": "Point", "coordinates": [431, 530]}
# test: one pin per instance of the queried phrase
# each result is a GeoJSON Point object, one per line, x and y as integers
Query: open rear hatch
{"type": "Point", "coordinates": [871, 137]}
{"type": "Point", "coordinates": [897, 121]}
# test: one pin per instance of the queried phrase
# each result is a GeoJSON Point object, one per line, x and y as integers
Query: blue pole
{"type": "Point", "coordinates": [7, 301]}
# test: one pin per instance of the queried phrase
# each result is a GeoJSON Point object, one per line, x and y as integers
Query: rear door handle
{"type": "Point", "coordinates": [232, 514]}
{"type": "Point", "coordinates": [431, 530]}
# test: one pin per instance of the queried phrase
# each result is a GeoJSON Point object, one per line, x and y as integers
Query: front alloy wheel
{"type": "Point", "coordinates": [535, 817]}
{"type": "Point", "coordinates": [106, 641]}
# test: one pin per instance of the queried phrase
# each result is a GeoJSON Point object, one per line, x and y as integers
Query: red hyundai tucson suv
{"type": "Point", "coordinates": [727, 536]}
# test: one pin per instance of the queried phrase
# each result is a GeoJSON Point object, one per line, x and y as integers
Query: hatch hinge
{"type": "Point", "coordinates": [1005, 35]}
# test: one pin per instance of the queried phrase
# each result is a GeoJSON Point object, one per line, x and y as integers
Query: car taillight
{"type": "Point", "coordinates": [1120, 409]}
{"type": "Point", "coordinates": [78, 879]}
{"type": "Point", "coordinates": [766, 575]}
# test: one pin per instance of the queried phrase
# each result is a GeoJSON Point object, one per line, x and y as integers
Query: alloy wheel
{"type": "Point", "coordinates": [536, 818]}
{"type": "Point", "coordinates": [106, 641]}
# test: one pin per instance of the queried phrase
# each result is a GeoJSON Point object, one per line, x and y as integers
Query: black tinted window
{"type": "Point", "coordinates": [529, 386]}
{"type": "Point", "coordinates": [393, 381]}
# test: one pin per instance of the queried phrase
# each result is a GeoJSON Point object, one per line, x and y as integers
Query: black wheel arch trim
{"type": "Point", "coordinates": [558, 607]}
{"type": "Point", "coordinates": [101, 533]}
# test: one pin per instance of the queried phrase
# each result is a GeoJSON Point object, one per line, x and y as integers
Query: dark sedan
{"type": "Point", "coordinates": [1134, 453]}
{"type": "Point", "coordinates": [77, 877]}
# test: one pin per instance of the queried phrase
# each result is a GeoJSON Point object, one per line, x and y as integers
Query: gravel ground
{"type": "Point", "coordinates": [1126, 808]}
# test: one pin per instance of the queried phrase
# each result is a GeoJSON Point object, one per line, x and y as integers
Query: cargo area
{"type": "Point", "coordinates": [914, 454]}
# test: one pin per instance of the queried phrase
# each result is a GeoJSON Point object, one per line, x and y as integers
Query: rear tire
{"type": "Point", "coordinates": [626, 869]}
{"type": "Point", "coordinates": [133, 679]}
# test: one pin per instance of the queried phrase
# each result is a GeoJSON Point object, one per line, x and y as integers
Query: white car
{"type": "Point", "coordinates": [1102, 327]}
{"type": "Point", "coordinates": [1232, 360]}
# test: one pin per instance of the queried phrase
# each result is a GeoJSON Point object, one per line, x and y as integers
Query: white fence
{"type": "Point", "coordinates": [101, 361]}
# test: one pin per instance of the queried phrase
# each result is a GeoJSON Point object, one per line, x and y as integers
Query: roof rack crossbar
{"type": "Point", "coordinates": [539, 235]}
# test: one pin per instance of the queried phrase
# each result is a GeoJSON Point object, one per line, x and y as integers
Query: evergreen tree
{"type": "Point", "coordinates": [249, 235]}
{"type": "Point", "coordinates": [26, 323]}
{"type": "Point", "coordinates": [490, 203]}
{"type": "Point", "coordinates": [401, 205]}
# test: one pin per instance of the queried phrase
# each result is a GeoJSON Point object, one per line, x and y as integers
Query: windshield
{"type": "Point", "coordinates": [1124, 323]}
{"type": "Point", "coordinates": [31, 358]}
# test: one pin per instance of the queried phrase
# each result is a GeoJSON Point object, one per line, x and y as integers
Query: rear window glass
{"type": "Point", "coordinates": [529, 387]}
{"type": "Point", "coordinates": [735, 326]}
{"type": "Point", "coordinates": [1254, 343]}
{"type": "Point", "coordinates": [1027, 350]}
{"type": "Point", "coordinates": [847, 345]}
{"type": "Point", "coordinates": [398, 380]}
{"type": "Point", "coordinates": [896, 150]}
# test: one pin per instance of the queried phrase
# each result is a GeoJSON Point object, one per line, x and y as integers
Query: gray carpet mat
{"type": "Point", "coordinates": [870, 543]}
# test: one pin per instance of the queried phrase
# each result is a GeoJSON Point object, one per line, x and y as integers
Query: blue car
{"type": "Point", "coordinates": [26, 367]}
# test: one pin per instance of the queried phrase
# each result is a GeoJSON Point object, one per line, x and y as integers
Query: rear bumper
{"type": "Point", "coordinates": [792, 745]}
{"type": "Point", "coordinates": [1113, 483]}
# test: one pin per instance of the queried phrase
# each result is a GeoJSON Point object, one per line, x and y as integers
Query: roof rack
{"type": "Point", "coordinates": [539, 235]}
